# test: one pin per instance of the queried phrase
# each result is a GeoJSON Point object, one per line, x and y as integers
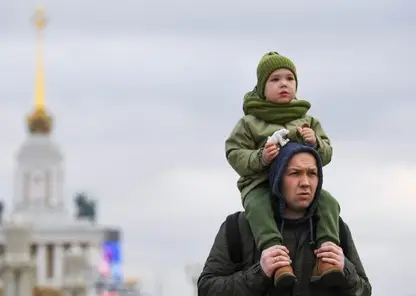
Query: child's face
{"type": "Point", "coordinates": [280, 87]}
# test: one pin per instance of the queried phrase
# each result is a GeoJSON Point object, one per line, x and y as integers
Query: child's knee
{"type": "Point", "coordinates": [329, 201]}
{"type": "Point", "coordinates": [327, 197]}
{"type": "Point", "coordinates": [257, 195]}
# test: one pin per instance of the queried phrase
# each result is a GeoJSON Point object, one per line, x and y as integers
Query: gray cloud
{"type": "Point", "coordinates": [144, 95]}
{"type": "Point", "coordinates": [358, 87]}
{"type": "Point", "coordinates": [216, 17]}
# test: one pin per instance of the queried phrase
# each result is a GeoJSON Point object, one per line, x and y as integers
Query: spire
{"type": "Point", "coordinates": [40, 23]}
{"type": "Point", "coordinates": [39, 122]}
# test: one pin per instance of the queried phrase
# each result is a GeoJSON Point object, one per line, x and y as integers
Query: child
{"type": "Point", "coordinates": [273, 106]}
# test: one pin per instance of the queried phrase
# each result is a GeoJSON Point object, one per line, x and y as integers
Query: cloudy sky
{"type": "Point", "coordinates": [144, 94]}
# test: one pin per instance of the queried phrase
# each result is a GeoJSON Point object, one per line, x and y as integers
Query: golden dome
{"type": "Point", "coordinates": [39, 122]}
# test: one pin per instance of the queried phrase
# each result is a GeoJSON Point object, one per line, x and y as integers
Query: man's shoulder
{"type": "Point", "coordinates": [237, 223]}
{"type": "Point", "coordinates": [345, 235]}
{"type": "Point", "coordinates": [238, 217]}
{"type": "Point", "coordinates": [342, 223]}
{"type": "Point", "coordinates": [238, 236]}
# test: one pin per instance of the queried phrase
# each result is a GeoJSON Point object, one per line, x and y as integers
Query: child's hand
{"type": "Point", "coordinates": [271, 150]}
{"type": "Point", "coordinates": [308, 135]}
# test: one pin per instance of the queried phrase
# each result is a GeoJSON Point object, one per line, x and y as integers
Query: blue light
{"type": "Point", "coordinates": [112, 254]}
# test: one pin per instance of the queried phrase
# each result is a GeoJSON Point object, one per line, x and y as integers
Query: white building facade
{"type": "Point", "coordinates": [39, 196]}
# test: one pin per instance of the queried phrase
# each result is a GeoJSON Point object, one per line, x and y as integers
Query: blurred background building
{"type": "Point", "coordinates": [39, 201]}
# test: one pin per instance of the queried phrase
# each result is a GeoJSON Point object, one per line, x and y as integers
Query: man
{"type": "Point", "coordinates": [296, 180]}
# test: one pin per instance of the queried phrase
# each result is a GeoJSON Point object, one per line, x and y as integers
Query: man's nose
{"type": "Point", "coordinates": [304, 181]}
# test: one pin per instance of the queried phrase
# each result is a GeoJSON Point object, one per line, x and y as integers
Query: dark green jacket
{"type": "Point", "coordinates": [245, 145]}
{"type": "Point", "coordinates": [220, 278]}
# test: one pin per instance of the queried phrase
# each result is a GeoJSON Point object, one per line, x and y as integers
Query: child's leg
{"type": "Point", "coordinates": [327, 228]}
{"type": "Point", "coordinates": [266, 234]}
{"type": "Point", "coordinates": [258, 211]}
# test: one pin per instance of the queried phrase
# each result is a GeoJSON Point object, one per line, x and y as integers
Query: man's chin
{"type": "Point", "coordinates": [302, 205]}
{"type": "Point", "coordinates": [302, 199]}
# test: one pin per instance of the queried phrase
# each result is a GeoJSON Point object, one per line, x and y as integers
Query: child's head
{"type": "Point", "coordinates": [276, 78]}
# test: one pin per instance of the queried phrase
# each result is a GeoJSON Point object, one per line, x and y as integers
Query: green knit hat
{"type": "Point", "coordinates": [269, 63]}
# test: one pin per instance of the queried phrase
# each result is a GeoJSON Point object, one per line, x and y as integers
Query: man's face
{"type": "Point", "coordinates": [280, 87]}
{"type": "Point", "coordinates": [299, 183]}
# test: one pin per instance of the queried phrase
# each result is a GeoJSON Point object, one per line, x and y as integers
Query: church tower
{"type": "Point", "coordinates": [65, 251]}
{"type": "Point", "coordinates": [39, 174]}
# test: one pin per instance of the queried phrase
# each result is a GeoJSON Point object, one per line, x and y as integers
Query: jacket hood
{"type": "Point", "coordinates": [277, 169]}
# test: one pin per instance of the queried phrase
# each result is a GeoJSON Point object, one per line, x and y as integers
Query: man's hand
{"type": "Point", "coordinates": [332, 254]}
{"type": "Point", "coordinates": [308, 135]}
{"type": "Point", "coordinates": [271, 150]}
{"type": "Point", "coordinates": [274, 258]}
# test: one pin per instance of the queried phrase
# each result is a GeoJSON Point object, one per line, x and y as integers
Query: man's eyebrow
{"type": "Point", "coordinates": [296, 168]}
{"type": "Point", "coordinates": [293, 168]}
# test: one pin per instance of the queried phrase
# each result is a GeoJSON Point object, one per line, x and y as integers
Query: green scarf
{"type": "Point", "coordinates": [274, 113]}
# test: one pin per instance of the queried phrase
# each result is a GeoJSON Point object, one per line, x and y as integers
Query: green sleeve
{"type": "Point", "coordinates": [241, 152]}
{"type": "Point", "coordinates": [324, 147]}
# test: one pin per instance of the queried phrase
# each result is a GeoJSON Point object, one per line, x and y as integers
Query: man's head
{"type": "Point", "coordinates": [296, 179]}
{"type": "Point", "coordinates": [276, 78]}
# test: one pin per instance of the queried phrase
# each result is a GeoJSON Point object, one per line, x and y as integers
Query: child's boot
{"type": "Point", "coordinates": [284, 277]}
{"type": "Point", "coordinates": [328, 274]}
